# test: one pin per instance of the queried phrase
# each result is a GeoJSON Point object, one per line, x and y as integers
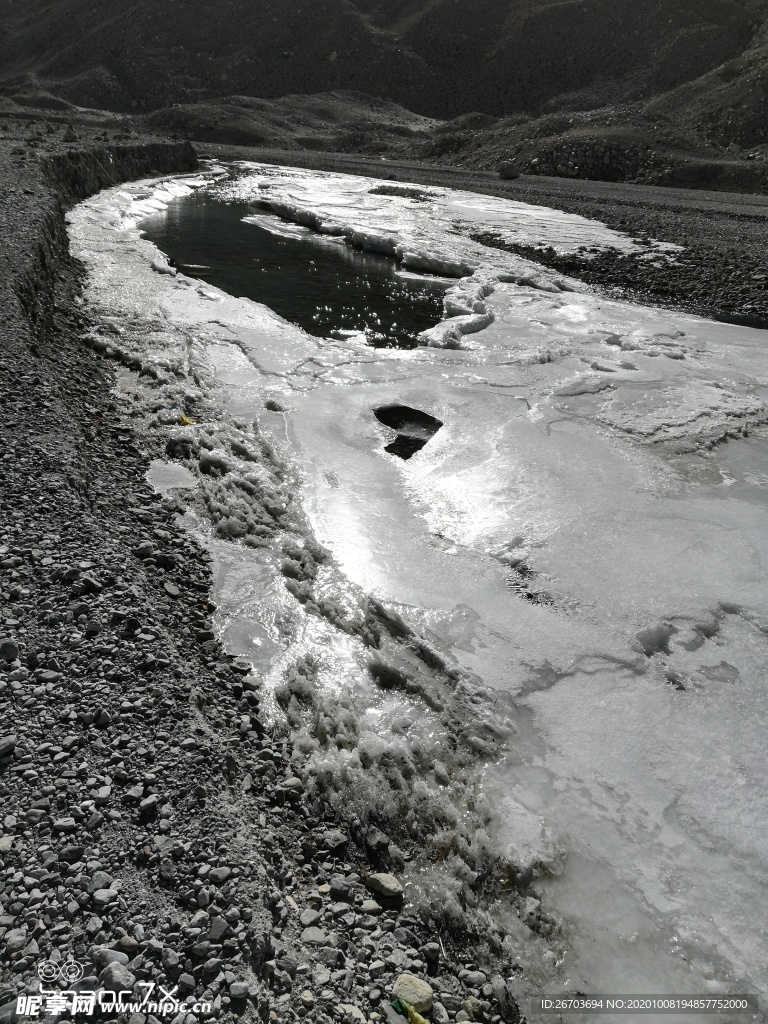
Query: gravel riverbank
{"type": "Point", "coordinates": [153, 831]}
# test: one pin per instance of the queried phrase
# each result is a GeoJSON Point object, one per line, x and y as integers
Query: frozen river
{"type": "Point", "coordinates": [584, 538]}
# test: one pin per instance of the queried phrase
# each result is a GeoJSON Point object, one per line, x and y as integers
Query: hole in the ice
{"type": "Point", "coordinates": [655, 640]}
{"type": "Point", "coordinates": [326, 287]}
{"type": "Point", "coordinates": [414, 428]}
{"type": "Point", "coordinates": [404, 446]}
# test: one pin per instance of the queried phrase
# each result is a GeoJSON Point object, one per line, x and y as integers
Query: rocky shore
{"type": "Point", "coordinates": [155, 841]}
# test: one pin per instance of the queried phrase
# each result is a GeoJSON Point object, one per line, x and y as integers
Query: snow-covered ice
{"type": "Point", "coordinates": [586, 535]}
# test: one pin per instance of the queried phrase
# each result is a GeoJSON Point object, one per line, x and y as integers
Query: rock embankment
{"type": "Point", "coordinates": [153, 832]}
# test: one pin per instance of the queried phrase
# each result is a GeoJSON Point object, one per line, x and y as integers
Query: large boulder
{"type": "Point", "coordinates": [508, 170]}
{"type": "Point", "coordinates": [384, 884]}
{"type": "Point", "coordinates": [413, 990]}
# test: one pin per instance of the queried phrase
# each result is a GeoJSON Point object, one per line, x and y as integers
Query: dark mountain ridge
{"type": "Point", "coordinates": [440, 58]}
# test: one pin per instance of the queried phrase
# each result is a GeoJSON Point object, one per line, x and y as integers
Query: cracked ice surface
{"type": "Point", "coordinates": [578, 534]}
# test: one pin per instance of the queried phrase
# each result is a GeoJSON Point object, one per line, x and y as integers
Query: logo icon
{"type": "Point", "coordinates": [68, 971]}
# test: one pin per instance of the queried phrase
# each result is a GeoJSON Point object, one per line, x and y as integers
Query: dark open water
{"type": "Point", "coordinates": [322, 285]}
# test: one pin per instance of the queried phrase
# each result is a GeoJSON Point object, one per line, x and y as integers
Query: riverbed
{"type": "Point", "coordinates": [582, 539]}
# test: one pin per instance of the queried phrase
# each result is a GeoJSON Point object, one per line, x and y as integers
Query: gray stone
{"type": "Point", "coordinates": [65, 825]}
{"type": "Point", "coordinates": [9, 650]}
{"type": "Point", "coordinates": [439, 1014]}
{"type": "Point", "coordinates": [414, 991]}
{"type": "Point", "coordinates": [334, 840]}
{"type": "Point", "coordinates": [314, 937]}
{"type": "Point", "coordinates": [377, 968]}
{"type": "Point", "coordinates": [309, 917]}
{"type": "Point", "coordinates": [508, 170]}
{"type": "Point", "coordinates": [102, 956]}
{"type": "Point", "coordinates": [117, 978]}
{"type": "Point", "coordinates": [474, 1007]}
{"type": "Point", "coordinates": [15, 940]}
{"type": "Point", "coordinates": [353, 1012]}
{"type": "Point", "coordinates": [8, 745]}
{"type": "Point", "coordinates": [238, 990]}
{"type": "Point", "coordinates": [170, 958]}
{"type": "Point", "coordinates": [385, 885]}
{"type": "Point", "coordinates": [71, 854]}
{"type": "Point", "coordinates": [473, 979]}
{"type": "Point", "coordinates": [340, 887]}
{"type": "Point", "coordinates": [218, 929]}
{"type": "Point", "coordinates": [103, 897]}
{"type": "Point", "coordinates": [100, 880]}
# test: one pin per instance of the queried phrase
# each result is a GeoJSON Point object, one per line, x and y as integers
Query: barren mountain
{"type": "Point", "coordinates": [440, 58]}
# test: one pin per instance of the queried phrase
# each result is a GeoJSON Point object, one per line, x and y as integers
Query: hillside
{"type": "Point", "coordinates": [506, 57]}
{"type": "Point", "coordinates": [340, 121]}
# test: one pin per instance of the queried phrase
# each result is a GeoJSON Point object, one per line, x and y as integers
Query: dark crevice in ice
{"type": "Point", "coordinates": [414, 428]}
